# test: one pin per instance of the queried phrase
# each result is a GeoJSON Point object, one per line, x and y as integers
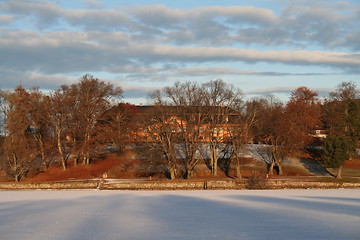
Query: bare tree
{"type": "Point", "coordinates": [199, 116]}
{"type": "Point", "coordinates": [159, 138]}
{"type": "Point", "coordinates": [60, 116]}
{"type": "Point", "coordinates": [116, 126]}
{"type": "Point", "coordinates": [39, 124]}
{"type": "Point", "coordinates": [68, 118]}
{"type": "Point", "coordinates": [19, 153]}
{"type": "Point", "coordinates": [270, 130]}
{"type": "Point", "coordinates": [4, 109]}
{"type": "Point", "coordinates": [220, 99]}
{"type": "Point", "coordinates": [18, 156]}
{"type": "Point", "coordinates": [177, 125]}
{"type": "Point", "coordinates": [186, 100]}
{"type": "Point", "coordinates": [345, 91]}
{"type": "Point", "coordinates": [241, 122]}
{"type": "Point", "coordinates": [92, 98]}
{"type": "Point", "coordinates": [303, 115]}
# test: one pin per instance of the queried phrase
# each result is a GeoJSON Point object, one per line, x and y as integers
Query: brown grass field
{"type": "Point", "coordinates": [123, 168]}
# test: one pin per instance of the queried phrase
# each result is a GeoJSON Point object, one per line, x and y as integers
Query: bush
{"type": "Point", "coordinates": [256, 181]}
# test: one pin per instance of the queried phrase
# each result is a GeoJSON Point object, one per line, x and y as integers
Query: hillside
{"type": "Point", "coordinates": [122, 168]}
{"type": "Point", "coordinates": [252, 164]}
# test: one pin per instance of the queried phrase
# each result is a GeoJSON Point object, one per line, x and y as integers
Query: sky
{"type": "Point", "coordinates": [261, 47]}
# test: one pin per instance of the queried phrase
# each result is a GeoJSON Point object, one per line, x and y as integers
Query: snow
{"type": "Point", "coordinates": [245, 214]}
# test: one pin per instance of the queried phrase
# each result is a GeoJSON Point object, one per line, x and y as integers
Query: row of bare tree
{"type": "Point", "coordinates": [186, 123]}
{"type": "Point", "coordinates": [40, 129]}
{"type": "Point", "coordinates": [231, 123]}
{"type": "Point", "coordinates": [212, 121]}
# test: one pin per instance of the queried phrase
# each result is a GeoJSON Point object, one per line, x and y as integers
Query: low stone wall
{"type": "Point", "coordinates": [154, 185]}
{"type": "Point", "coordinates": [309, 184]}
{"type": "Point", "coordinates": [176, 185]}
{"type": "Point", "coordinates": [50, 185]}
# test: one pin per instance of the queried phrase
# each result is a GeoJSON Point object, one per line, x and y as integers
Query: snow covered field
{"type": "Point", "coordinates": [265, 214]}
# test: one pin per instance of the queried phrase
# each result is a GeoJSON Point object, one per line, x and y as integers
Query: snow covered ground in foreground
{"type": "Point", "coordinates": [265, 214]}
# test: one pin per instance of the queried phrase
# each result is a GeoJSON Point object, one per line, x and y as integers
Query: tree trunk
{"type": "Point", "coordinates": [43, 157]}
{"type": "Point", "coordinates": [172, 173]}
{"type": "Point", "coordinates": [190, 166]}
{"type": "Point", "coordinates": [188, 171]}
{"type": "Point", "coordinates": [280, 168]}
{"type": "Point", "coordinates": [339, 173]}
{"type": "Point", "coordinates": [276, 162]}
{"type": "Point", "coordinates": [238, 168]}
{"type": "Point", "coordinates": [40, 142]}
{"type": "Point", "coordinates": [86, 159]}
{"type": "Point", "coordinates": [62, 155]}
{"type": "Point", "coordinates": [215, 167]}
{"type": "Point", "coordinates": [171, 166]}
{"type": "Point", "coordinates": [214, 161]}
{"type": "Point", "coordinates": [86, 153]}
{"type": "Point", "coordinates": [271, 168]}
{"type": "Point", "coordinates": [76, 161]}
{"type": "Point", "coordinates": [15, 168]}
{"type": "Point", "coordinates": [187, 174]}
{"type": "Point", "coordinates": [60, 150]}
{"type": "Point", "coordinates": [63, 163]}
{"type": "Point", "coordinates": [17, 177]}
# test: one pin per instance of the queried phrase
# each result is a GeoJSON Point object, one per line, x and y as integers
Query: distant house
{"type": "Point", "coordinates": [212, 122]}
{"type": "Point", "coordinates": [319, 133]}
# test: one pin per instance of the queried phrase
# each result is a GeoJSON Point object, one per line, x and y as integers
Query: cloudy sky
{"type": "Point", "coordinates": [259, 46]}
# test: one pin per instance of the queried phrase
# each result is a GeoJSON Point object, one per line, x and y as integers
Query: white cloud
{"type": "Point", "coordinates": [236, 14]}
{"type": "Point", "coordinates": [61, 52]}
{"type": "Point", "coordinates": [97, 19]}
{"type": "Point", "coordinates": [9, 79]}
{"type": "Point", "coordinates": [52, 81]}
{"type": "Point", "coordinates": [93, 3]}
{"type": "Point", "coordinates": [286, 91]}
{"type": "Point", "coordinates": [147, 43]}
{"type": "Point", "coordinates": [134, 91]}
{"type": "Point", "coordinates": [6, 19]}
{"type": "Point", "coordinates": [226, 71]}
{"type": "Point", "coordinates": [165, 16]}
{"type": "Point", "coordinates": [327, 24]}
{"type": "Point", "coordinates": [296, 57]}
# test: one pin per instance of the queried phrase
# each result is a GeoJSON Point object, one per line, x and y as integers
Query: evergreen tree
{"type": "Point", "coordinates": [337, 150]}
{"type": "Point", "coordinates": [341, 116]}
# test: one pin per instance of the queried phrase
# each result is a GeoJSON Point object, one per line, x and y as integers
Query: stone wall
{"type": "Point", "coordinates": [50, 185]}
{"type": "Point", "coordinates": [175, 185]}
{"type": "Point", "coordinates": [310, 184]}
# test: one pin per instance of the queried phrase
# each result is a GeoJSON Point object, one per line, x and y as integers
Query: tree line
{"type": "Point", "coordinates": [40, 129]}
{"type": "Point", "coordinates": [279, 129]}
{"type": "Point", "coordinates": [185, 123]}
